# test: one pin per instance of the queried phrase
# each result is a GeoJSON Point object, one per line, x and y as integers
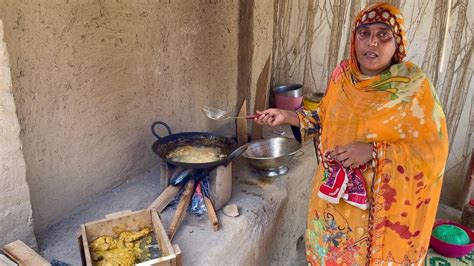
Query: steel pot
{"type": "Point", "coordinates": [291, 90]}
{"type": "Point", "coordinates": [288, 97]}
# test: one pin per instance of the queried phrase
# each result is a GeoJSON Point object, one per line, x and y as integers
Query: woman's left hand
{"type": "Point", "coordinates": [353, 155]}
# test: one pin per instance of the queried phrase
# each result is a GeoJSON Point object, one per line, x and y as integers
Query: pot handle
{"type": "Point", "coordinates": [235, 153]}
{"type": "Point", "coordinates": [182, 177]}
{"type": "Point", "coordinates": [160, 123]}
{"type": "Point", "coordinates": [298, 153]}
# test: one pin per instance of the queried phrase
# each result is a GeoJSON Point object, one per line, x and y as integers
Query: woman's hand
{"type": "Point", "coordinates": [353, 155]}
{"type": "Point", "coordinates": [275, 117]}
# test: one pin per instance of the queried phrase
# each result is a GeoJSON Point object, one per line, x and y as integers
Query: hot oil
{"type": "Point", "coordinates": [195, 154]}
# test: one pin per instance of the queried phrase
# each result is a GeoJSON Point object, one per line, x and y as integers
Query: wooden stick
{"type": "Point", "coordinates": [468, 186]}
{"type": "Point", "coordinates": [164, 199]}
{"type": "Point", "coordinates": [446, 33]}
{"type": "Point", "coordinates": [23, 255]}
{"type": "Point", "coordinates": [181, 209]}
{"type": "Point", "coordinates": [211, 212]}
{"type": "Point", "coordinates": [261, 96]}
{"type": "Point", "coordinates": [241, 125]}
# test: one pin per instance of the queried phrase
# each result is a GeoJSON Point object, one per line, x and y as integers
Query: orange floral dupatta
{"type": "Point", "coordinates": [398, 111]}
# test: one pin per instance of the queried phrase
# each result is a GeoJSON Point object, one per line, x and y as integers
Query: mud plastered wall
{"type": "Point", "coordinates": [311, 37]}
{"type": "Point", "coordinates": [89, 78]}
{"type": "Point", "coordinates": [15, 208]}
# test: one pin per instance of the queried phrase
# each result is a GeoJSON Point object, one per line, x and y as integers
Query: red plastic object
{"type": "Point", "coordinates": [288, 102]}
{"type": "Point", "coordinates": [449, 250]}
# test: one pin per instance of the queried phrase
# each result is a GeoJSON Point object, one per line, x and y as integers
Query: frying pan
{"type": "Point", "coordinates": [164, 145]}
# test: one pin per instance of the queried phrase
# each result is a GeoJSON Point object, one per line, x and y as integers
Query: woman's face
{"type": "Point", "coordinates": [375, 47]}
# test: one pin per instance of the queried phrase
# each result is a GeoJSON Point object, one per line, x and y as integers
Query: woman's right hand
{"type": "Point", "coordinates": [275, 117]}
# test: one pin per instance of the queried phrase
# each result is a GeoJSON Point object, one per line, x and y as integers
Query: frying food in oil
{"type": "Point", "coordinates": [195, 154]}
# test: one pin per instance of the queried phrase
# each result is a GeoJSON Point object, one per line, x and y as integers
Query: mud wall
{"type": "Point", "coordinates": [89, 78]}
{"type": "Point", "coordinates": [15, 208]}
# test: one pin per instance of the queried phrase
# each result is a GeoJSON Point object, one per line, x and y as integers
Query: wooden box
{"type": "Point", "coordinates": [21, 254]}
{"type": "Point", "coordinates": [133, 221]}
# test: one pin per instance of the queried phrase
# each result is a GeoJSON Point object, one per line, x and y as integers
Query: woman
{"type": "Point", "coordinates": [382, 146]}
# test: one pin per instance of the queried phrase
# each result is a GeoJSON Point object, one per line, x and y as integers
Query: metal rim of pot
{"type": "Point", "coordinates": [256, 142]}
{"type": "Point", "coordinates": [291, 90]}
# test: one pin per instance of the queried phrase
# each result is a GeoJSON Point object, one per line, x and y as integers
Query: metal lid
{"type": "Point", "coordinates": [292, 90]}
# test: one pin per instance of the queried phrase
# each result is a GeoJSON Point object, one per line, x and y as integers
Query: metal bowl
{"type": "Point", "coordinates": [292, 90]}
{"type": "Point", "coordinates": [271, 156]}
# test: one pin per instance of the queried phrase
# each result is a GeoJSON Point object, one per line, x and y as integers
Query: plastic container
{"type": "Point", "coordinates": [451, 234]}
{"type": "Point", "coordinates": [288, 97]}
{"type": "Point", "coordinates": [311, 101]}
{"type": "Point", "coordinates": [467, 218]}
{"type": "Point", "coordinates": [450, 250]}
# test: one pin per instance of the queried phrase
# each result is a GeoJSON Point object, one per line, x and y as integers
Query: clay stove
{"type": "Point", "coordinates": [220, 182]}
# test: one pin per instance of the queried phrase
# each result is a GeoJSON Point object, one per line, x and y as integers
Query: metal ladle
{"type": "Point", "coordinates": [218, 114]}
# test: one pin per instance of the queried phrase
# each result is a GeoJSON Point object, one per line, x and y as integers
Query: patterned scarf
{"type": "Point", "coordinates": [341, 182]}
{"type": "Point", "coordinates": [381, 13]}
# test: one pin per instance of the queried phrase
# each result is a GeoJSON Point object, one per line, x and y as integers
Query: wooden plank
{"type": "Point", "coordinates": [23, 255]}
{"type": "Point", "coordinates": [242, 124]}
{"type": "Point", "coordinates": [179, 258]}
{"type": "Point", "coordinates": [117, 214]}
{"type": "Point", "coordinates": [160, 203]}
{"type": "Point", "coordinates": [171, 260]}
{"type": "Point", "coordinates": [85, 245]}
{"type": "Point", "coordinates": [80, 244]}
{"type": "Point", "coordinates": [161, 236]}
{"type": "Point", "coordinates": [261, 97]}
{"type": "Point", "coordinates": [175, 260]}
{"type": "Point", "coordinates": [162, 261]}
{"type": "Point", "coordinates": [4, 261]}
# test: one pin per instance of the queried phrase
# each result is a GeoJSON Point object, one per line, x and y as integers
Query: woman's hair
{"type": "Point", "coordinates": [389, 15]}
